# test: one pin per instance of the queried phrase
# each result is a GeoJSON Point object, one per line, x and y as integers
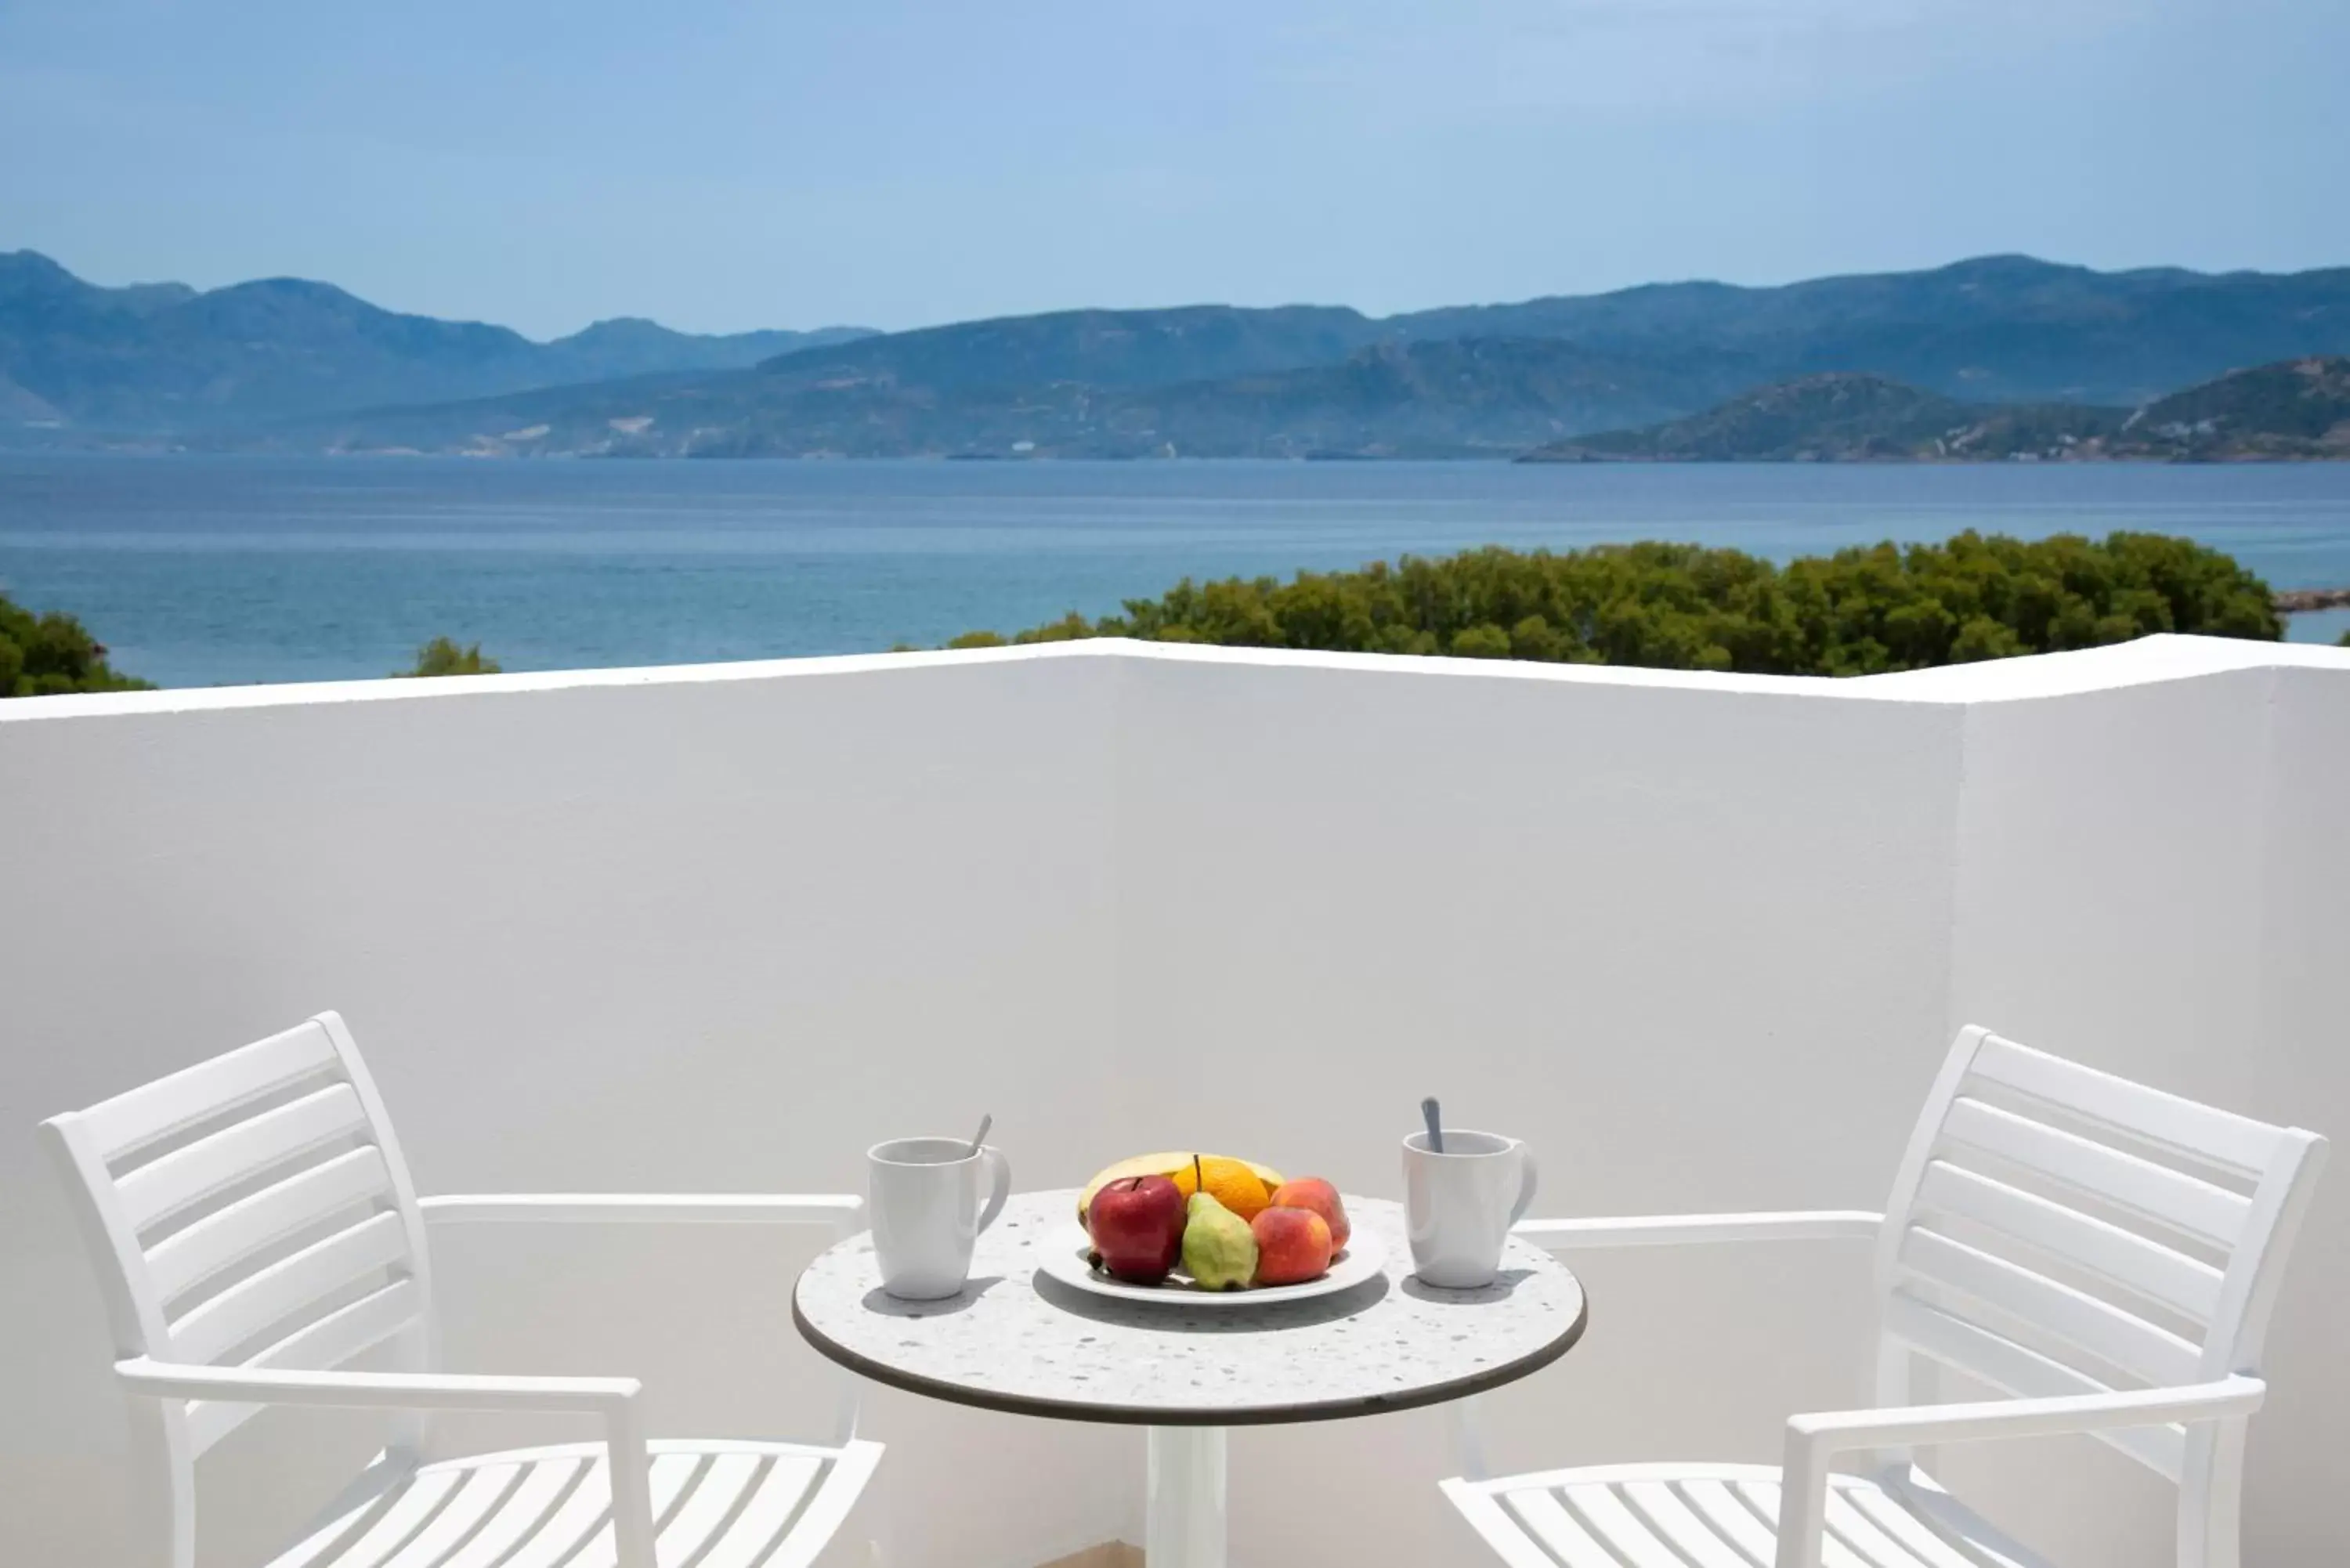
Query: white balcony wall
{"type": "Point", "coordinates": [1702, 939]}
{"type": "Point", "coordinates": [686, 934]}
{"type": "Point", "coordinates": [2156, 879]}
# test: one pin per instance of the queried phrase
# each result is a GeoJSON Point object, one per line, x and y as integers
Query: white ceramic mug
{"type": "Point", "coordinates": [929, 1200]}
{"type": "Point", "coordinates": [1458, 1205]}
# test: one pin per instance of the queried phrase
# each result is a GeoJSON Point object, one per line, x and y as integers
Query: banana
{"type": "Point", "coordinates": [1165, 1165]}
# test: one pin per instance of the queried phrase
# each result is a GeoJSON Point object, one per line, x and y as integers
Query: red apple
{"type": "Point", "coordinates": [1313, 1192]}
{"type": "Point", "coordinates": [1292, 1246]}
{"type": "Point", "coordinates": [1137, 1225]}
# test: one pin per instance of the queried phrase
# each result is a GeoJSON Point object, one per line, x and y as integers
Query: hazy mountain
{"type": "Point", "coordinates": [1999, 328]}
{"type": "Point", "coordinates": [163, 356]}
{"type": "Point", "coordinates": [1469, 398]}
{"type": "Point", "coordinates": [1993, 329]}
{"type": "Point", "coordinates": [2296, 408]}
{"type": "Point", "coordinates": [1100, 348]}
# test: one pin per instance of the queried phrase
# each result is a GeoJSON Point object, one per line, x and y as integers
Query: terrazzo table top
{"type": "Point", "coordinates": [1018, 1340]}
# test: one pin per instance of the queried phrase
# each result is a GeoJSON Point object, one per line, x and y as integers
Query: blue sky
{"type": "Point", "coordinates": [896, 164]}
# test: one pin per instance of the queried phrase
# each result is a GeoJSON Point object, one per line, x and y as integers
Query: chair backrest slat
{"type": "Point", "coordinates": [151, 1112]}
{"type": "Point", "coordinates": [2217, 1137]}
{"type": "Point", "coordinates": [229, 1236]}
{"type": "Point", "coordinates": [2098, 1328]}
{"type": "Point", "coordinates": [2186, 1285]}
{"type": "Point", "coordinates": [289, 1288]}
{"type": "Point", "coordinates": [186, 1177]}
{"type": "Point", "coordinates": [2058, 1230]}
{"type": "Point", "coordinates": [2189, 1204]}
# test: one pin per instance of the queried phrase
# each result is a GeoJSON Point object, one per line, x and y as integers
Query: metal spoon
{"type": "Point", "coordinates": [980, 1137]}
{"type": "Point", "coordinates": [1435, 1126]}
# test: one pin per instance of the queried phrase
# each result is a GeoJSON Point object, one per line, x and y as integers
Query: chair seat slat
{"type": "Point", "coordinates": [1564, 1536]}
{"type": "Point", "coordinates": [2186, 1285]}
{"type": "Point", "coordinates": [151, 1112]}
{"type": "Point", "coordinates": [2210, 1213]}
{"type": "Point", "coordinates": [411, 1512]}
{"type": "Point", "coordinates": [2220, 1138]}
{"type": "Point", "coordinates": [1739, 1524]}
{"type": "Point", "coordinates": [1911, 1533]}
{"type": "Point", "coordinates": [478, 1499]}
{"type": "Point", "coordinates": [1765, 1497]}
{"type": "Point", "coordinates": [230, 1235]}
{"type": "Point", "coordinates": [720, 1487]}
{"type": "Point", "coordinates": [669, 1473]}
{"type": "Point", "coordinates": [573, 1521]}
{"type": "Point", "coordinates": [766, 1516]}
{"type": "Point", "coordinates": [1673, 1519]}
{"type": "Point", "coordinates": [1634, 1535]}
{"type": "Point", "coordinates": [520, 1515]}
{"type": "Point", "coordinates": [186, 1177]}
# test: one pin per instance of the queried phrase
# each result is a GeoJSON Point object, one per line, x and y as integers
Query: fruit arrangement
{"type": "Point", "coordinates": [1230, 1224]}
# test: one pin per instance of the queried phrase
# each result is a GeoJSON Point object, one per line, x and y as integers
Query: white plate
{"type": "Point", "coordinates": [1062, 1255]}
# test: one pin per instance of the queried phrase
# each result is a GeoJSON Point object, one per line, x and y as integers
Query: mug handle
{"type": "Point", "coordinates": [1526, 1190]}
{"type": "Point", "coordinates": [998, 1192]}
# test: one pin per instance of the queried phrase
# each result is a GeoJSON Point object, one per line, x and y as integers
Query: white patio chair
{"type": "Point", "coordinates": [2105, 1253]}
{"type": "Point", "coordinates": [255, 1231]}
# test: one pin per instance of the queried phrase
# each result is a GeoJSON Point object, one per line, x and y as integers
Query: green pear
{"type": "Point", "coordinates": [1219, 1249]}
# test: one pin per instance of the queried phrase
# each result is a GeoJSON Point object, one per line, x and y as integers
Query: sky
{"type": "Point", "coordinates": [896, 164]}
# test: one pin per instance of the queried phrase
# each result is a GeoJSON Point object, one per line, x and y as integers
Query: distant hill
{"type": "Point", "coordinates": [1463, 399]}
{"type": "Point", "coordinates": [1995, 329]}
{"type": "Point", "coordinates": [1098, 347]}
{"type": "Point", "coordinates": [1992, 329]}
{"type": "Point", "coordinates": [2298, 409]}
{"type": "Point", "coordinates": [165, 358]}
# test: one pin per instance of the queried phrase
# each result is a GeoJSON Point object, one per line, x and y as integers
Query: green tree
{"type": "Point", "coordinates": [49, 654]}
{"type": "Point", "coordinates": [443, 657]}
{"type": "Point", "coordinates": [1859, 612]}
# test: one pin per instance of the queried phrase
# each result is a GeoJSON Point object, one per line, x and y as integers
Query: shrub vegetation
{"type": "Point", "coordinates": [1860, 611]}
{"type": "Point", "coordinates": [47, 655]}
{"type": "Point", "coordinates": [442, 656]}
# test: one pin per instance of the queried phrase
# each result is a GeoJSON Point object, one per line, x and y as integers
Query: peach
{"type": "Point", "coordinates": [1292, 1246]}
{"type": "Point", "coordinates": [1313, 1192]}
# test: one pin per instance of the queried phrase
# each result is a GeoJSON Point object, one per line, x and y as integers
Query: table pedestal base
{"type": "Point", "coordinates": [1186, 1498]}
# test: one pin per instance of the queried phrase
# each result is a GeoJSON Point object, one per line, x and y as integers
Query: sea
{"type": "Point", "coordinates": [200, 571]}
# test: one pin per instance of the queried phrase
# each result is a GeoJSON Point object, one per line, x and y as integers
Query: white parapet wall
{"type": "Point", "coordinates": [1701, 939]}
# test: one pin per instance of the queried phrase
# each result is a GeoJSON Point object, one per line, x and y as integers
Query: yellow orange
{"type": "Point", "coordinates": [1234, 1183]}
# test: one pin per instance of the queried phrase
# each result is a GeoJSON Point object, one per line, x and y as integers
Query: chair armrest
{"type": "Point", "coordinates": [612, 1398]}
{"type": "Point", "coordinates": [841, 1211]}
{"type": "Point", "coordinates": [844, 1213]}
{"type": "Point", "coordinates": [374, 1390]}
{"type": "Point", "coordinates": [1691, 1230]}
{"type": "Point", "coordinates": [1812, 1439]}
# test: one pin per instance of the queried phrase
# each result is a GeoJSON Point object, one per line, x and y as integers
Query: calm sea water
{"type": "Point", "coordinates": [199, 571]}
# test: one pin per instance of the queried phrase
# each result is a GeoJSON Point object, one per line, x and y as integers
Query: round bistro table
{"type": "Point", "coordinates": [1020, 1341]}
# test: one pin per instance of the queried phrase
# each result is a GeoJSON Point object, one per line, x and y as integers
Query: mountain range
{"type": "Point", "coordinates": [303, 367]}
{"type": "Point", "coordinates": [163, 356]}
